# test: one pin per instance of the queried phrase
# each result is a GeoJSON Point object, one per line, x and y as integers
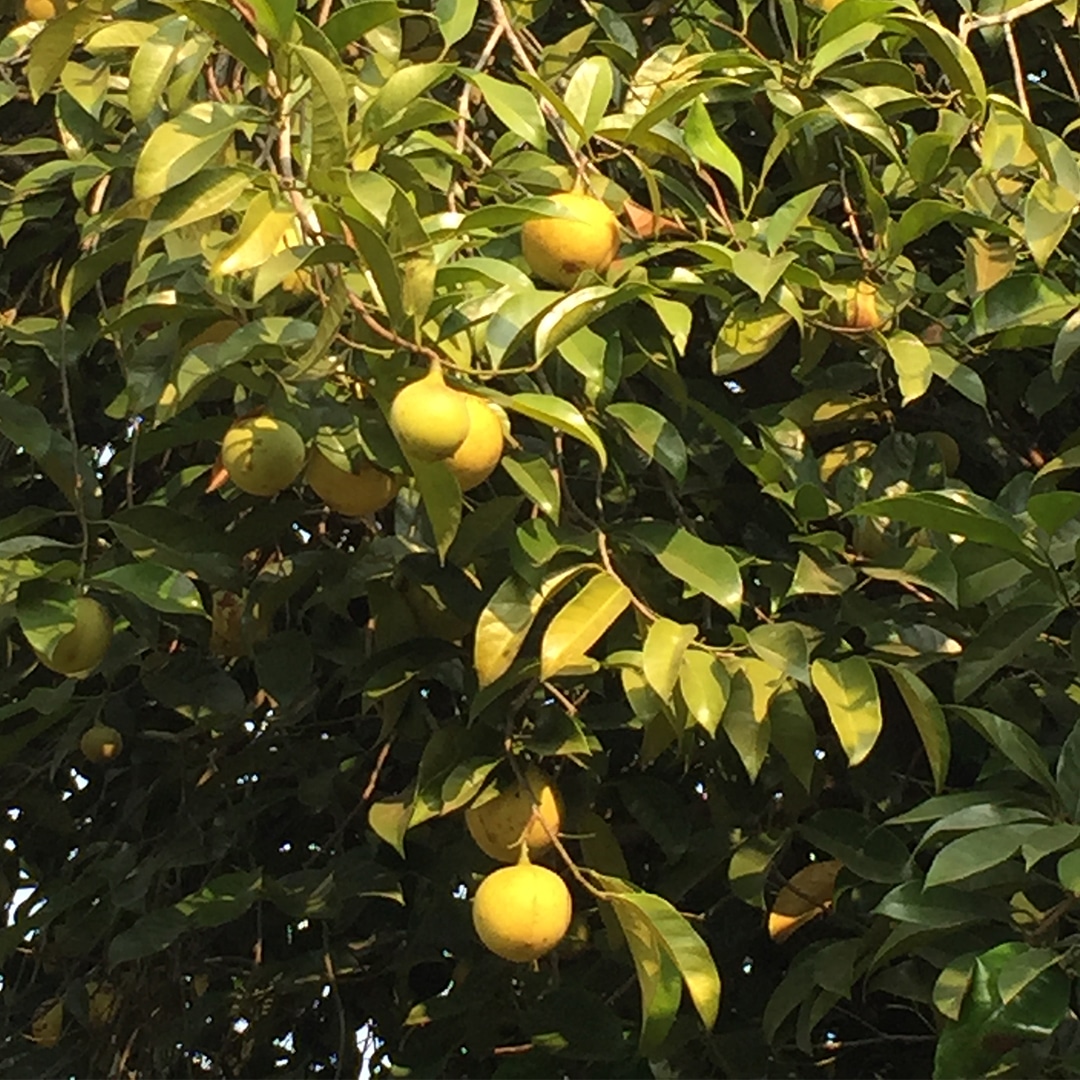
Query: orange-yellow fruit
{"type": "Point", "coordinates": [499, 825]}
{"type": "Point", "coordinates": [862, 306]}
{"type": "Point", "coordinates": [362, 491]}
{"type": "Point", "coordinates": [950, 450]}
{"type": "Point", "coordinates": [262, 455]}
{"type": "Point", "coordinates": [40, 9]}
{"type": "Point", "coordinates": [559, 249]}
{"type": "Point", "coordinates": [475, 459]}
{"type": "Point", "coordinates": [101, 743]}
{"type": "Point", "coordinates": [523, 911]}
{"type": "Point", "coordinates": [429, 418]}
{"type": "Point", "coordinates": [81, 649]}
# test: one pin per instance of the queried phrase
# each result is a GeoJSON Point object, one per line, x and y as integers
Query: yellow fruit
{"type": "Point", "coordinates": [523, 911]}
{"type": "Point", "coordinates": [363, 491]}
{"type": "Point", "coordinates": [559, 249]}
{"type": "Point", "coordinates": [101, 743]}
{"type": "Point", "coordinates": [499, 825]}
{"type": "Point", "coordinates": [262, 455]}
{"type": "Point", "coordinates": [47, 1022]}
{"type": "Point", "coordinates": [40, 9]}
{"type": "Point", "coordinates": [475, 459]}
{"type": "Point", "coordinates": [429, 418]}
{"type": "Point", "coordinates": [80, 650]}
{"type": "Point", "coordinates": [862, 308]}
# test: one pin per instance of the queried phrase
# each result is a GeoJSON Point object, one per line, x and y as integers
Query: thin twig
{"type": "Point", "coordinates": [373, 779]}
{"type": "Point", "coordinates": [129, 475]}
{"type": "Point", "coordinates": [77, 479]}
{"type": "Point", "coordinates": [502, 19]}
{"type": "Point", "coordinates": [1060, 54]}
{"type": "Point", "coordinates": [466, 93]}
{"type": "Point", "coordinates": [1018, 70]}
{"type": "Point", "coordinates": [605, 558]}
{"type": "Point", "coordinates": [852, 220]}
{"type": "Point", "coordinates": [328, 963]}
{"type": "Point", "coordinates": [1001, 18]}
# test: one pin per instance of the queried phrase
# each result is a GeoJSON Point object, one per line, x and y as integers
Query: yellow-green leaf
{"type": "Point", "coordinates": [580, 624]}
{"type": "Point", "coordinates": [850, 691]}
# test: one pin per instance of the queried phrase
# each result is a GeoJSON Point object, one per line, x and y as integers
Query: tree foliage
{"type": "Point", "coordinates": [777, 576]}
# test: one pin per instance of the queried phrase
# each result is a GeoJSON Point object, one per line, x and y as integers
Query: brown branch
{"type": "Point", "coordinates": [78, 499]}
{"type": "Point", "coordinates": [549, 110]}
{"type": "Point", "coordinates": [466, 94]}
{"type": "Point", "coordinates": [1018, 71]}
{"type": "Point", "coordinates": [605, 558]}
{"type": "Point", "coordinates": [1000, 18]}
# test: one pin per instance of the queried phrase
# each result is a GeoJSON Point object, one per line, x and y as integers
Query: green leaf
{"type": "Point", "coordinates": [705, 685]}
{"type": "Point", "coordinates": [929, 721]}
{"type": "Point", "coordinates": [760, 271]}
{"type": "Point", "coordinates": [790, 216]}
{"type": "Point", "coordinates": [750, 332]}
{"type": "Point", "coordinates": [911, 358]}
{"type": "Point", "coordinates": [1068, 871]}
{"type": "Point", "coordinates": [329, 107]}
{"type": "Point", "coordinates": [680, 941]}
{"type": "Point", "coordinates": [955, 59]}
{"type": "Point", "coordinates": [1048, 213]}
{"type": "Point", "coordinates": [46, 612]}
{"type": "Point", "coordinates": [153, 66]}
{"type": "Point", "coordinates": [506, 620]}
{"type": "Point", "coordinates": [659, 979]}
{"type": "Point", "coordinates": [455, 18]}
{"type": "Point", "coordinates": [1011, 741]}
{"type": "Point", "coordinates": [151, 934]}
{"type": "Point", "coordinates": [989, 1024]}
{"type": "Point", "coordinates": [588, 94]}
{"type": "Point", "coordinates": [851, 694]}
{"type": "Point", "coordinates": [784, 645]}
{"type": "Point", "coordinates": [156, 586]}
{"type": "Point", "coordinates": [203, 195]}
{"type": "Point", "coordinates": [704, 567]}
{"type": "Point", "coordinates": [654, 434]}
{"type": "Point", "coordinates": [745, 719]}
{"type": "Point", "coordinates": [349, 24]}
{"type": "Point", "coordinates": [579, 624]}
{"type": "Point", "coordinates": [856, 114]}
{"type": "Point", "coordinates": [442, 500]}
{"type": "Point", "coordinates": [534, 476]}
{"type": "Point", "coordinates": [977, 851]}
{"type": "Point", "coordinates": [663, 654]}
{"type": "Point", "coordinates": [942, 908]}
{"type": "Point", "coordinates": [954, 511]}
{"type": "Point", "coordinates": [872, 851]}
{"type": "Point", "coordinates": [560, 414]}
{"type": "Point", "coordinates": [181, 147]}
{"type": "Point", "coordinates": [952, 985]}
{"type": "Point", "coordinates": [515, 106]}
{"type": "Point", "coordinates": [227, 30]}
{"type": "Point", "coordinates": [708, 147]}
{"type": "Point", "coordinates": [274, 18]}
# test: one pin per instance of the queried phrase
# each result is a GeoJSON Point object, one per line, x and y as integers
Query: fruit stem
{"type": "Point", "coordinates": [556, 843]}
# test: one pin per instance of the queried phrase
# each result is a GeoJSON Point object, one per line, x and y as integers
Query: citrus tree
{"type": "Point", "coordinates": [536, 538]}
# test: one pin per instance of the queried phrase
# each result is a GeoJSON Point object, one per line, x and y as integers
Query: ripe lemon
{"type": "Point", "coordinates": [262, 455]}
{"type": "Point", "coordinates": [523, 911]}
{"type": "Point", "coordinates": [475, 459]}
{"type": "Point", "coordinates": [101, 743]}
{"type": "Point", "coordinates": [80, 650]}
{"type": "Point", "coordinates": [558, 249]}
{"type": "Point", "coordinates": [40, 9]}
{"type": "Point", "coordinates": [429, 418]}
{"type": "Point", "coordinates": [362, 491]}
{"type": "Point", "coordinates": [499, 825]}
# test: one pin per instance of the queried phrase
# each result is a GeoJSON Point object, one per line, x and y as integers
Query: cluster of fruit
{"type": "Point", "coordinates": [433, 421]}
{"type": "Point", "coordinates": [522, 911]}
